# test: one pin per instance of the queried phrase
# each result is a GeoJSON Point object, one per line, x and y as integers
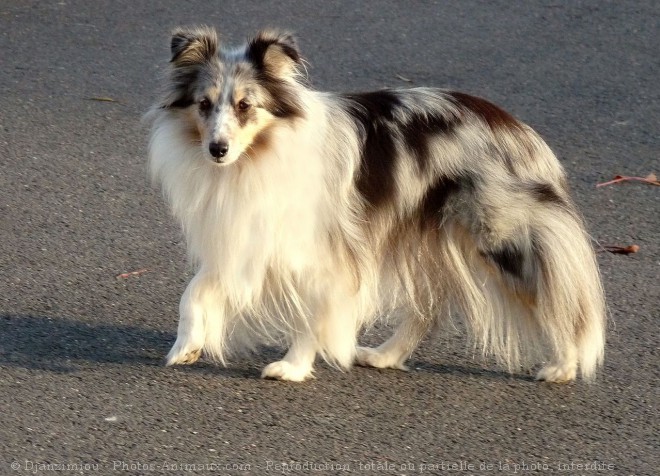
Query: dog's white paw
{"type": "Point", "coordinates": [182, 354]}
{"type": "Point", "coordinates": [283, 370]}
{"type": "Point", "coordinates": [368, 357]}
{"type": "Point", "coordinates": [557, 373]}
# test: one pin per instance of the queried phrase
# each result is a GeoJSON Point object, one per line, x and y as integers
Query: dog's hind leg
{"type": "Point", "coordinates": [398, 348]}
{"type": "Point", "coordinates": [197, 302]}
{"type": "Point", "coordinates": [563, 368]}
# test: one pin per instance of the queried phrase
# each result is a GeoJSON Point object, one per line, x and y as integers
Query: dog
{"type": "Point", "coordinates": [311, 215]}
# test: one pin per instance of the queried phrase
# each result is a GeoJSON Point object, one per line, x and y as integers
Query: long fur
{"type": "Point", "coordinates": [310, 215]}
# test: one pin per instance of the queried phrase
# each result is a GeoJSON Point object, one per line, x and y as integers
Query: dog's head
{"type": "Point", "coordinates": [232, 97]}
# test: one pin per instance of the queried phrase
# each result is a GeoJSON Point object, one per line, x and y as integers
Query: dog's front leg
{"type": "Point", "coordinates": [195, 303]}
{"type": "Point", "coordinates": [298, 363]}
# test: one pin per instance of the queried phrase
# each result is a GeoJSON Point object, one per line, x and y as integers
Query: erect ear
{"type": "Point", "coordinates": [193, 45]}
{"type": "Point", "coordinates": [274, 52]}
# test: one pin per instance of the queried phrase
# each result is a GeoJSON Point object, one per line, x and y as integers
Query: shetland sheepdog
{"type": "Point", "coordinates": [310, 215]}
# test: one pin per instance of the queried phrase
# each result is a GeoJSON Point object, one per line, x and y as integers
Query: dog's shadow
{"type": "Point", "coordinates": [62, 345]}
{"type": "Point", "coordinates": [463, 371]}
{"type": "Point", "coordinates": [58, 344]}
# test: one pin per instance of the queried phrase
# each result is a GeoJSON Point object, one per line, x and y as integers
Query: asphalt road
{"type": "Point", "coordinates": [81, 376]}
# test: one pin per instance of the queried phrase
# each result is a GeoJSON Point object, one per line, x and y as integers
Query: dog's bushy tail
{"type": "Point", "coordinates": [571, 306]}
{"type": "Point", "coordinates": [538, 288]}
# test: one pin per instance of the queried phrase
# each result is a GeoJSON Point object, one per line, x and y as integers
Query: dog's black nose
{"type": "Point", "coordinates": [218, 149]}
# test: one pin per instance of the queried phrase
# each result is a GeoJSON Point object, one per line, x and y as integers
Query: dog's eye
{"type": "Point", "coordinates": [243, 105]}
{"type": "Point", "coordinates": [204, 105]}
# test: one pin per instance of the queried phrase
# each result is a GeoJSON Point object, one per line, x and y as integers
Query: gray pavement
{"type": "Point", "coordinates": [81, 375]}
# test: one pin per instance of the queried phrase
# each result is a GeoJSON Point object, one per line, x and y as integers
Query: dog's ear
{"type": "Point", "coordinates": [274, 52]}
{"type": "Point", "coordinates": [193, 45]}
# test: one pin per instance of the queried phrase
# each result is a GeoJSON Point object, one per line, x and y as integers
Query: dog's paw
{"type": "Point", "coordinates": [283, 370]}
{"type": "Point", "coordinates": [557, 373]}
{"type": "Point", "coordinates": [182, 355]}
{"type": "Point", "coordinates": [368, 357]}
